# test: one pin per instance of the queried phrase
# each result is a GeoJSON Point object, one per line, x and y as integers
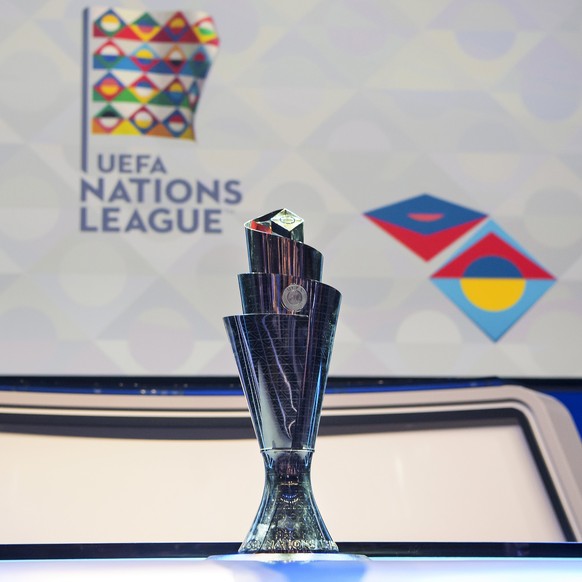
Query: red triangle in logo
{"type": "Point", "coordinates": [127, 33]}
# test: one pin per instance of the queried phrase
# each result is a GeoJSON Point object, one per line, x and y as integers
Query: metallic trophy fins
{"type": "Point", "coordinates": [282, 345]}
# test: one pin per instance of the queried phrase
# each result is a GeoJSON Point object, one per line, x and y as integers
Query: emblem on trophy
{"type": "Point", "coordinates": [282, 345]}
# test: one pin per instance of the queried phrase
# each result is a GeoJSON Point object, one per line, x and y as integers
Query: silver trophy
{"type": "Point", "coordinates": [282, 345]}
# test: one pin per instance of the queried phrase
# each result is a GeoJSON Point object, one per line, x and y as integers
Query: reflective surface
{"type": "Point", "coordinates": [271, 252]}
{"type": "Point", "coordinates": [376, 570]}
{"type": "Point", "coordinates": [281, 377]}
{"type": "Point", "coordinates": [288, 519]}
{"type": "Point", "coordinates": [282, 345]}
{"type": "Point", "coordinates": [264, 293]}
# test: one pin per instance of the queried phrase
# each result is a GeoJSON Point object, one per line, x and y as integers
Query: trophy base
{"type": "Point", "coordinates": [288, 521]}
{"type": "Point", "coordinates": [297, 557]}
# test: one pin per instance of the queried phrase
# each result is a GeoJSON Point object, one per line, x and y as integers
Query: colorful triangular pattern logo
{"type": "Point", "coordinates": [493, 280]}
{"type": "Point", "coordinates": [147, 70]}
{"type": "Point", "coordinates": [425, 224]}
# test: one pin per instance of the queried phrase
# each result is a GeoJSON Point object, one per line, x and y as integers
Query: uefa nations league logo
{"type": "Point", "coordinates": [143, 75]}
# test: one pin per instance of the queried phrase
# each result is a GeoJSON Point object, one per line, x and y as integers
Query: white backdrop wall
{"type": "Point", "coordinates": [330, 108]}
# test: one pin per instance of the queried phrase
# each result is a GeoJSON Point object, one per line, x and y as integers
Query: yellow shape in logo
{"type": "Point", "coordinates": [110, 23]}
{"type": "Point", "coordinates": [177, 22]}
{"type": "Point", "coordinates": [492, 294]}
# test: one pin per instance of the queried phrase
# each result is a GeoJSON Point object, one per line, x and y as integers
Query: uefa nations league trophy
{"type": "Point", "coordinates": [282, 345]}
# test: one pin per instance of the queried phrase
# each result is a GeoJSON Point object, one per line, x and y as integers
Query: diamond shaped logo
{"type": "Point", "coordinates": [143, 120]}
{"type": "Point", "coordinates": [493, 280]}
{"type": "Point", "coordinates": [425, 224]}
{"type": "Point", "coordinates": [107, 56]}
{"type": "Point", "coordinates": [145, 27]}
{"type": "Point", "coordinates": [177, 26]}
{"type": "Point", "coordinates": [175, 59]}
{"type": "Point", "coordinates": [176, 92]}
{"type": "Point", "coordinates": [144, 57]}
{"type": "Point", "coordinates": [176, 123]}
{"type": "Point", "coordinates": [107, 120]}
{"type": "Point", "coordinates": [205, 32]}
{"type": "Point", "coordinates": [107, 88]}
{"type": "Point", "coordinates": [200, 63]}
{"type": "Point", "coordinates": [143, 89]}
{"type": "Point", "coordinates": [109, 24]}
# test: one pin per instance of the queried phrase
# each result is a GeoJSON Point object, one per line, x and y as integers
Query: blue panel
{"type": "Point", "coordinates": [447, 214]}
{"type": "Point", "coordinates": [573, 402]}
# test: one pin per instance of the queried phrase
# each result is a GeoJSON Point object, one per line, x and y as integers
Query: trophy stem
{"type": "Point", "coordinates": [288, 520]}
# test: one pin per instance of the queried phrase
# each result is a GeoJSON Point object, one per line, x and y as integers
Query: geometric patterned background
{"type": "Point", "coordinates": [491, 279]}
{"type": "Point", "coordinates": [331, 109]}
